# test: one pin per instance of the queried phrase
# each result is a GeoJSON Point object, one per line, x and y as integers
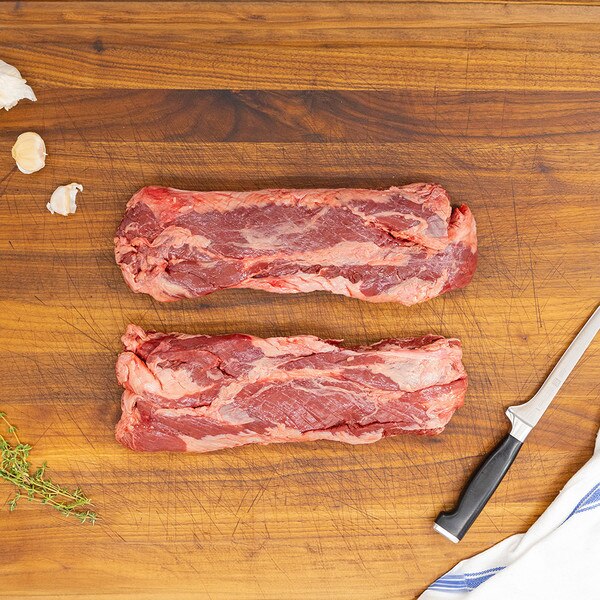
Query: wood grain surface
{"type": "Point", "coordinates": [499, 102]}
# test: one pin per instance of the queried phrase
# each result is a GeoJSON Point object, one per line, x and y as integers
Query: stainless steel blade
{"type": "Point", "coordinates": [524, 417]}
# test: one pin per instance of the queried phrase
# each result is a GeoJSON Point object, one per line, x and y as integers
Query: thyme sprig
{"type": "Point", "coordinates": [36, 486]}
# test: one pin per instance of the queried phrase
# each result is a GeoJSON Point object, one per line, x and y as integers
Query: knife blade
{"type": "Point", "coordinates": [523, 417]}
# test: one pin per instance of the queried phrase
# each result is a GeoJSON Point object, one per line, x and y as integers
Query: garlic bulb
{"type": "Point", "coordinates": [29, 152]}
{"type": "Point", "coordinates": [13, 87]}
{"type": "Point", "coordinates": [62, 200]}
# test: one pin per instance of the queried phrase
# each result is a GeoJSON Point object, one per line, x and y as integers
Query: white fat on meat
{"type": "Point", "coordinates": [302, 345]}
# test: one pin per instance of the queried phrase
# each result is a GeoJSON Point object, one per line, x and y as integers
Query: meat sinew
{"type": "Point", "coordinates": [402, 245]}
{"type": "Point", "coordinates": [199, 393]}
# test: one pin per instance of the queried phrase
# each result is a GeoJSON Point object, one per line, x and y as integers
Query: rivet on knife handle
{"type": "Point", "coordinates": [454, 524]}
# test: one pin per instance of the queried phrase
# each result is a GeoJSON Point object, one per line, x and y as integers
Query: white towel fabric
{"type": "Point", "coordinates": [558, 558]}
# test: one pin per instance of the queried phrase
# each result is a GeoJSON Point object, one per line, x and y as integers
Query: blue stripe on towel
{"type": "Point", "coordinates": [589, 501]}
{"type": "Point", "coordinates": [463, 583]}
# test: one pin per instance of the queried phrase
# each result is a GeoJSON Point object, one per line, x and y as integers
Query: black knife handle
{"type": "Point", "coordinates": [479, 489]}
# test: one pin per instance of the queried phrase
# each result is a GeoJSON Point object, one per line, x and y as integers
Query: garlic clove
{"type": "Point", "coordinates": [62, 200]}
{"type": "Point", "coordinates": [13, 87]}
{"type": "Point", "coordinates": [29, 152]}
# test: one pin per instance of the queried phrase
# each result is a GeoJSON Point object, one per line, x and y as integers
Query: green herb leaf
{"type": "Point", "coordinates": [13, 503]}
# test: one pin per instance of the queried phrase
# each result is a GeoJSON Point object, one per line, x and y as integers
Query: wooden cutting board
{"type": "Point", "coordinates": [500, 103]}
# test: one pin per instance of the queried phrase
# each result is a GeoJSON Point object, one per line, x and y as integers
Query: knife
{"type": "Point", "coordinates": [523, 417]}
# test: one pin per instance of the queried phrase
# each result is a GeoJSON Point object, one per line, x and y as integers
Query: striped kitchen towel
{"type": "Point", "coordinates": [558, 558]}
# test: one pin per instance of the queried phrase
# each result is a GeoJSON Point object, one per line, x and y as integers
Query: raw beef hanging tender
{"type": "Point", "coordinates": [405, 244]}
{"type": "Point", "coordinates": [199, 393]}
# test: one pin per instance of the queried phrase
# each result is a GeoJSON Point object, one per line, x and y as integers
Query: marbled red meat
{"type": "Point", "coordinates": [200, 393]}
{"type": "Point", "coordinates": [402, 245]}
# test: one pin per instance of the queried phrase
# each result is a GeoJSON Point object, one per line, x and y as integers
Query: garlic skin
{"type": "Point", "coordinates": [29, 152]}
{"type": "Point", "coordinates": [62, 201]}
{"type": "Point", "coordinates": [13, 87]}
